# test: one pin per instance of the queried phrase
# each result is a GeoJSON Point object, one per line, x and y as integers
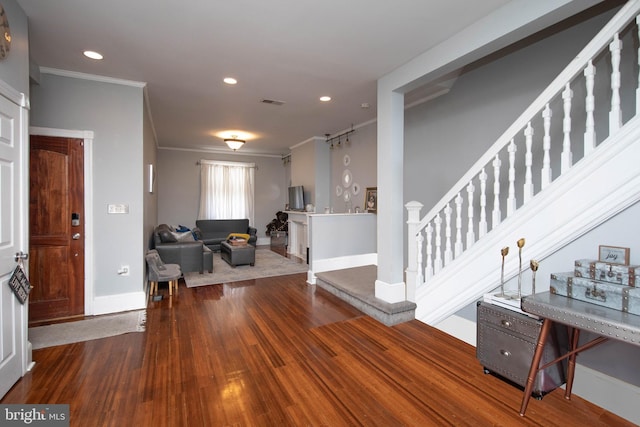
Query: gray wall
{"type": "Point", "coordinates": [303, 169]}
{"type": "Point", "coordinates": [179, 186]}
{"type": "Point", "coordinates": [445, 136]}
{"type": "Point", "coordinates": [14, 69]}
{"type": "Point", "coordinates": [362, 165]}
{"type": "Point", "coordinates": [114, 112]}
{"type": "Point", "coordinates": [150, 157]}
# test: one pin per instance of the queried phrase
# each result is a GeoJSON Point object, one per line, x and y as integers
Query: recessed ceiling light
{"type": "Point", "coordinates": [230, 80]}
{"type": "Point", "coordinates": [93, 55]}
{"type": "Point", "coordinates": [325, 98]}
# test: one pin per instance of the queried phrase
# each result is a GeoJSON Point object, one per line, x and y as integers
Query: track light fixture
{"type": "Point", "coordinates": [339, 138]}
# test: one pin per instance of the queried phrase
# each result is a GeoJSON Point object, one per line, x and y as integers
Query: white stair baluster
{"type": "Point", "coordinates": [511, 198]}
{"type": "Point", "coordinates": [437, 263]}
{"type": "Point", "coordinates": [428, 272]}
{"type": "Point", "coordinates": [419, 244]}
{"type": "Point", "coordinates": [471, 236]}
{"type": "Point", "coordinates": [545, 178]}
{"type": "Point", "coordinates": [497, 215]}
{"type": "Point", "coordinates": [528, 161]}
{"type": "Point", "coordinates": [459, 246]}
{"type": "Point", "coordinates": [482, 226]}
{"type": "Point", "coordinates": [590, 105]}
{"type": "Point", "coordinates": [566, 157]}
{"type": "Point", "coordinates": [448, 253]}
{"type": "Point", "coordinates": [615, 115]}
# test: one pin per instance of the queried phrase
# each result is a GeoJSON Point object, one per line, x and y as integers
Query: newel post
{"type": "Point", "coordinates": [413, 276]}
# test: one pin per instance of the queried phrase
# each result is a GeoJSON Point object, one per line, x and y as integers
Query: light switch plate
{"type": "Point", "coordinates": [118, 209]}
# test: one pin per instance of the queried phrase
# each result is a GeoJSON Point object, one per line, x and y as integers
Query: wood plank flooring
{"type": "Point", "coordinates": [277, 352]}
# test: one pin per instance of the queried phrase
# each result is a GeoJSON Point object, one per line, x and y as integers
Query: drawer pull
{"type": "Point", "coordinates": [506, 323]}
{"type": "Point", "coordinates": [505, 353]}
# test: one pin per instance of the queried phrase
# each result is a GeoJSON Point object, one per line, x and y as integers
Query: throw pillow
{"type": "Point", "coordinates": [186, 236]}
{"type": "Point", "coordinates": [166, 236]}
{"type": "Point", "coordinates": [197, 234]}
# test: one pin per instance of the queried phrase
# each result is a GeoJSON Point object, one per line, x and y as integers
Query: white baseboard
{"type": "Point", "coordinates": [339, 263]}
{"type": "Point", "coordinates": [263, 241]}
{"type": "Point", "coordinates": [120, 302]}
{"type": "Point", "coordinates": [610, 393]}
{"type": "Point", "coordinates": [459, 327]}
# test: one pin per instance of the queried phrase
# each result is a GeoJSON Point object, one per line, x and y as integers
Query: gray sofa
{"type": "Point", "coordinates": [215, 231]}
{"type": "Point", "coordinates": [181, 248]}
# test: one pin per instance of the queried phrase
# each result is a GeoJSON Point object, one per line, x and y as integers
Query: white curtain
{"type": "Point", "coordinates": [226, 190]}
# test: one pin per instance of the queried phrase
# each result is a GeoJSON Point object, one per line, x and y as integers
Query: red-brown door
{"type": "Point", "coordinates": [56, 230]}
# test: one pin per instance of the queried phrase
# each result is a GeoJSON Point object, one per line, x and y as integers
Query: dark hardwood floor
{"type": "Point", "coordinates": [277, 352]}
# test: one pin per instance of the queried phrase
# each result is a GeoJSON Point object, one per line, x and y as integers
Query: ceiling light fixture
{"type": "Point", "coordinates": [234, 143]}
{"type": "Point", "coordinates": [92, 54]}
{"type": "Point", "coordinates": [230, 80]}
{"type": "Point", "coordinates": [325, 98]}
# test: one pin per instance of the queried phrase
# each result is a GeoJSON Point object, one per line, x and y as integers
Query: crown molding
{"type": "Point", "coordinates": [92, 77]}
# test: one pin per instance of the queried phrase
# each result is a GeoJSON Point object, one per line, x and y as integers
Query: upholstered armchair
{"type": "Point", "coordinates": [181, 248]}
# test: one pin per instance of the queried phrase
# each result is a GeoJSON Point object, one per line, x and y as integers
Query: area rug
{"type": "Point", "coordinates": [268, 264]}
{"type": "Point", "coordinates": [88, 329]}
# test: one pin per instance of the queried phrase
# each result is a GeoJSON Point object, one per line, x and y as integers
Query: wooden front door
{"type": "Point", "coordinates": [56, 208]}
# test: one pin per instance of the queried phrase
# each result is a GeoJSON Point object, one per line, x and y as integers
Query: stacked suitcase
{"type": "Point", "coordinates": [610, 285]}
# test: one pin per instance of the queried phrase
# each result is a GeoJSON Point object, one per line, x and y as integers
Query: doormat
{"type": "Point", "coordinates": [88, 329]}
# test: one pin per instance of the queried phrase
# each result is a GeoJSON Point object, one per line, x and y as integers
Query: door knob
{"type": "Point", "coordinates": [76, 236]}
{"type": "Point", "coordinates": [21, 256]}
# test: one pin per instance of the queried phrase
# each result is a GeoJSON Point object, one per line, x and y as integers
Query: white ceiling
{"type": "Point", "coordinates": [286, 50]}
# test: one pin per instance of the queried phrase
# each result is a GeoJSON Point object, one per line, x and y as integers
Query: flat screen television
{"type": "Point", "coordinates": [296, 198]}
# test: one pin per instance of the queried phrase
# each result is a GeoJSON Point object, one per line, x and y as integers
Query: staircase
{"type": "Point", "coordinates": [566, 165]}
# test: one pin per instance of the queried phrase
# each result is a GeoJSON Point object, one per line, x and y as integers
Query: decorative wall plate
{"type": "Point", "coordinates": [355, 188]}
{"type": "Point", "coordinates": [338, 190]}
{"type": "Point", "coordinates": [346, 196]}
{"type": "Point", "coordinates": [347, 179]}
{"type": "Point", "coordinates": [346, 160]}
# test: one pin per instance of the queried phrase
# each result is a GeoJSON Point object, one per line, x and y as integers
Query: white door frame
{"type": "Point", "coordinates": [88, 205]}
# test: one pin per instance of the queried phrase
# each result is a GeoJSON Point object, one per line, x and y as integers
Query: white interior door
{"type": "Point", "coordinates": [15, 351]}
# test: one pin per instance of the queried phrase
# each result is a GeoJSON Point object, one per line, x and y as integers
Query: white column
{"type": "Point", "coordinates": [390, 286]}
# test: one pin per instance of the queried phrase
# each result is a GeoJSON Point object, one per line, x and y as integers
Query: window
{"type": "Point", "coordinates": [226, 190]}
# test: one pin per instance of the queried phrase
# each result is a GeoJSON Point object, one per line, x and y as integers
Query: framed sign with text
{"type": "Point", "coordinates": [613, 254]}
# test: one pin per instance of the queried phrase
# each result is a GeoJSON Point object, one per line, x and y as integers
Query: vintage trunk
{"type": "Point", "coordinates": [618, 297]}
{"type": "Point", "coordinates": [506, 342]}
{"type": "Point", "coordinates": [626, 275]}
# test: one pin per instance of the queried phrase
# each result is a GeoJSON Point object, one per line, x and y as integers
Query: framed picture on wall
{"type": "Point", "coordinates": [371, 199]}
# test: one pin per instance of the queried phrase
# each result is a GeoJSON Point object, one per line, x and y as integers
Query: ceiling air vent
{"type": "Point", "coordinates": [272, 102]}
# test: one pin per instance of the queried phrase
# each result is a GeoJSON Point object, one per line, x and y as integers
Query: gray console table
{"type": "Point", "coordinates": [577, 315]}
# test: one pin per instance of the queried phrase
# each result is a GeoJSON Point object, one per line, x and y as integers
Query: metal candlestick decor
{"type": "Point", "coordinates": [504, 251]}
{"type": "Point", "coordinates": [534, 267]}
{"type": "Point", "coordinates": [520, 245]}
